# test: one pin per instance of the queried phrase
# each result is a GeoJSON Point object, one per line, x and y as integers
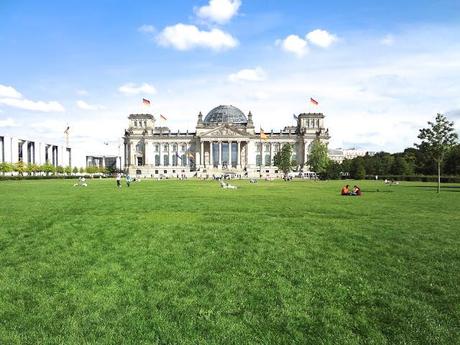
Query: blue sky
{"type": "Point", "coordinates": [380, 70]}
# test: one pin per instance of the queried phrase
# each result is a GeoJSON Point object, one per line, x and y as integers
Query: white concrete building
{"type": "Point", "coordinates": [225, 141]}
{"type": "Point", "coordinates": [339, 155]}
{"type": "Point", "coordinates": [104, 161]}
{"type": "Point", "coordinates": [30, 151]}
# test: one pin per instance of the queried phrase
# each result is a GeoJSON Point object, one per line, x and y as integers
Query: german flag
{"type": "Point", "coordinates": [263, 136]}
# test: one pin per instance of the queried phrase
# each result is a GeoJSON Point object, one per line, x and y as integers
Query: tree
{"type": "Point", "coordinates": [318, 159]}
{"type": "Point", "coordinates": [6, 167]}
{"type": "Point", "coordinates": [75, 170]}
{"type": "Point", "coordinates": [19, 167]}
{"type": "Point", "coordinates": [81, 170]}
{"type": "Point", "coordinates": [68, 170]}
{"type": "Point", "coordinates": [401, 167]}
{"type": "Point", "coordinates": [60, 169]}
{"type": "Point", "coordinates": [48, 168]}
{"type": "Point", "coordinates": [333, 171]}
{"type": "Point", "coordinates": [452, 164]}
{"type": "Point", "coordinates": [439, 139]}
{"type": "Point", "coordinates": [283, 160]}
{"type": "Point", "coordinates": [358, 171]}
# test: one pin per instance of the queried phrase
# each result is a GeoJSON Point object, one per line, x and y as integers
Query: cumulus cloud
{"type": "Point", "coordinates": [133, 89]}
{"type": "Point", "coordinates": [256, 74]}
{"type": "Point", "coordinates": [146, 29]}
{"type": "Point", "coordinates": [186, 37]}
{"type": "Point", "coordinates": [26, 104]}
{"type": "Point", "coordinates": [321, 38]}
{"type": "Point", "coordinates": [9, 122]}
{"type": "Point", "coordinates": [219, 11]}
{"type": "Point", "coordinates": [294, 44]}
{"type": "Point", "coordinates": [9, 92]}
{"type": "Point", "coordinates": [86, 106]}
{"type": "Point", "coordinates": [388, 40]}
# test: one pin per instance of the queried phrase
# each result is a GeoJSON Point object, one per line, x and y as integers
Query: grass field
{"type": "Point", "coordinates": [185, 262]}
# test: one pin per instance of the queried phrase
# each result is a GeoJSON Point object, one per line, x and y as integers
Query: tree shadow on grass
{"type": "Point", "coordinates": [434, 187]}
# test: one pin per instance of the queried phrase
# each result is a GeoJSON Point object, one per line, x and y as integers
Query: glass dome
{"type": "Point", "coordinates": [225, 114]}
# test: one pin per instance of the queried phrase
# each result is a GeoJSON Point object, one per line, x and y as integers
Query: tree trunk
{"type": "Point", "coordinates": [439, 176]}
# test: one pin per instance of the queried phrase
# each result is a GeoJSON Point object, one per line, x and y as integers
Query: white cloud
{"type": "Point", "coordinates": [294, 44]}
{"type": "Point", "coordinates": [185, 37]}
{"type": "Point", "coordinates": [26, 104]}
{"type": "Point", "coordinates": [388, 40]}
{"type": "Point", "coordinates": [146, 28]}
{"type": "Point", "coordinates": [86, 106]}
{"type": "Point", "coordinates": [321, 38]}
{"type": "Point", "coordinates": [133, 89]}
{"type": "Point", "coordinates": [9, 122]}
{"type": "Point", "coordinates": [219, 11]}
{"type": "Point", "coordinates": [256, 74]}
{"type": "Point", "coordinates": [9, 92]}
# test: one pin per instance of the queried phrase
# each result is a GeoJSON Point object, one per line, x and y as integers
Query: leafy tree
{"type": "Point", "coordinates": [48, 168]}
{"type": "Point", "coordinates": [81, 170]}
{"type": "Point", "coordinates": [318, 158]}
{"type": "Point", "coordinates": [68, 170]}
{"type": "Point", "coordinates": [32, 168]}
{"type": "Point", "coordinates": [75, 170]}
{"type": "Point", "coordinates": [439, 139]}
{"type": "Point", "coordinates": [6, 167]}
{"type": "Point", "coordinates": [19, 167]}
{"type": "Point", "coordinates": [358, 171]}
{"type": "Point", "coordinates": [452, 164]}
{"type": "Point", "coordinates": [283, 160]}
{"type": "Point", "coordinates": [333, 170]}
{"type": "Point", "coordinates": [401, 167]}
{"type": "Point", "coordinates": [60, 169]}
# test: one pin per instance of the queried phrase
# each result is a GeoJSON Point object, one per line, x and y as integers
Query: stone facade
{"type": "Point", "coordinates": [224, 142]}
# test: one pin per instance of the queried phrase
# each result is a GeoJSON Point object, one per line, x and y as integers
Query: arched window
{"type": "Point", "coordinates": [157, 148]}
{"type": "Point", "coordinates": [175, 147]}
{"type": "Point", "coordinates": [165, 148]}
{"type": "Point", "coordinates": [135, 123]}
{"type": "Point", "coordinates": [166, 160]}
{"type": "Point", "coordinates": [267, 147]}
{"type": "Point", "coordinates": [268, 160]}
{"type": "Point", "coordinates": [184, 148]}
{"type": "Point", "coordinates": [258, 160]}
{"type": "Point", "coordinates": [140, 147]}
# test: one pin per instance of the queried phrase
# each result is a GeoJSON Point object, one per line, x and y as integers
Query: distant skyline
{"type": "Point", "coordinates": [380, 71]}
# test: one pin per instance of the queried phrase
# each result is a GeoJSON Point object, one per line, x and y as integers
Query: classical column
{"type": "Point", "coordinates": [271, 153]}
{"type": "Point", "coordinates": [160, 153]}
{"type": "Point", "coordinates": [229, 155]}
{"type": "Point", "coordinates": [220, 154]}
{"type": "Point", "coordinates": [238, 154]}
{"type": "Point", "coordinates": [202, 154]}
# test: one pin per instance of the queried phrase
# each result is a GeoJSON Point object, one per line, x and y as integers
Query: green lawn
{"type": "Point", "coordinates": [185, 262]}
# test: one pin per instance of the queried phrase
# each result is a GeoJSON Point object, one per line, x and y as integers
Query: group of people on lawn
{"type": "Point", "coordinates": [356, 191]}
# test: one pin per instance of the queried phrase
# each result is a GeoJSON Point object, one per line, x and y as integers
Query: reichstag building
{"type": "Point", "coordinates": [224, 141]}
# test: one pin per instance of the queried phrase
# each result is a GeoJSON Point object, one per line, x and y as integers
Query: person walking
{"type": "Point", "coordinates": [119, 180]}
{"type": "Point", "coordinates": [128, 180]}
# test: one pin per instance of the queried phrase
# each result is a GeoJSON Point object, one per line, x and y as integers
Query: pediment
{"type": "Point", "coordinates": [224, 131]}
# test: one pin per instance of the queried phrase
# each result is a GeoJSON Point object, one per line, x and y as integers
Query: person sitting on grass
{"type": "Point", "coordinates": [345, 190]}
{"type": "Point", "coordinates": [356, 191]}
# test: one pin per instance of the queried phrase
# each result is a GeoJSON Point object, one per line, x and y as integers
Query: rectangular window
{"type": "Point", "coordinates": [166, 160]}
